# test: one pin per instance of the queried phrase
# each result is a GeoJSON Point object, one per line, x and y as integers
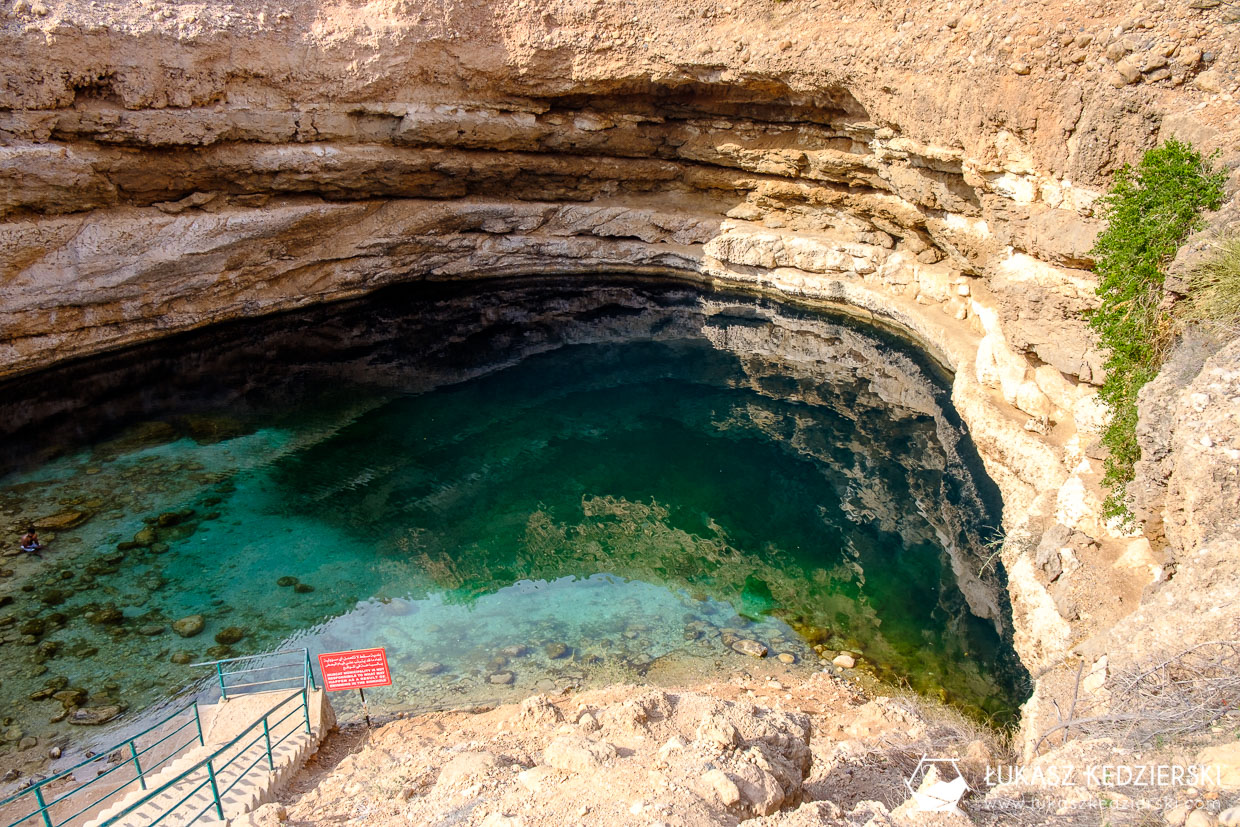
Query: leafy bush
{"type": "Point", "coordinates": [1149, 211]}
{"type": "Point", "coordinates": [1214, 291]}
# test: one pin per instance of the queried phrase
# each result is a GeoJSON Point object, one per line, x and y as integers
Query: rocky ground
{"type": "Point", "coordinates": [763, 747]}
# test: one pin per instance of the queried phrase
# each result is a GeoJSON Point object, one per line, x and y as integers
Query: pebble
{"type": "Point", "coordinates": [844, 661]}
{"type": "Point", "coordinates": [1128, 71]}
{"type": "Point", "coordinates": [787, 657]}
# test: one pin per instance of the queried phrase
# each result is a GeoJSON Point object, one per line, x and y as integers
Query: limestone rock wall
{"type": "Point", "coordinates": [172, 164]}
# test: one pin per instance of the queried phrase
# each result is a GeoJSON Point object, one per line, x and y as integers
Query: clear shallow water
{"type": "Point", "coordinates": [511, 491]}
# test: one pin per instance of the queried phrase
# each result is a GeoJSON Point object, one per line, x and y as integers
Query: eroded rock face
{"type": "Point", "coordinates": [1194, 464]}
{"type": "Point", "coordinates": [407, 141]}
{"type": "Point", "coordinates": [165, 170]}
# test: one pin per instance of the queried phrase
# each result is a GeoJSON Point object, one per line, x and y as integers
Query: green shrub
{"type": "Point", "coordinates": [1149, 211]}
{"type": "Point", "coordinates": [1214, 292]}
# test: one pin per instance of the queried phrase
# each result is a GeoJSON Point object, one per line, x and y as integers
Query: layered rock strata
{"type": "Point", "coordinates": [172, 165]}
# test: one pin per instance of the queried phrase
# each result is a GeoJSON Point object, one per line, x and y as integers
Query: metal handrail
{"type": "Point", "coordinates": [221, 674]}
{"type": "Point", "coordinates": [212, 770]}
{"type": "Point", "coordinates": [43, 807]}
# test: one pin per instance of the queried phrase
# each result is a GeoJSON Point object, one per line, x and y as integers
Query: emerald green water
{"type": "Point", "coordinates": [557, 484]}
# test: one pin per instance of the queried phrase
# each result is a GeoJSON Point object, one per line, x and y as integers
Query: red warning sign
{"type": "Point", "coordinates": [357, 669]}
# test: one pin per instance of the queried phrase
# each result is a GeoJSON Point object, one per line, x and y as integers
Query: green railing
{"type": "Point", "coordinates": [49, 805]}
{"type": "Point", "coordinates": [265, 676]}
{"type": "Point", "coordinates": [216, 765]}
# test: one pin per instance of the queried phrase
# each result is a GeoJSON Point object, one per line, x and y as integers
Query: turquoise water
{"type": "Point", "coordinates": [510, 491]}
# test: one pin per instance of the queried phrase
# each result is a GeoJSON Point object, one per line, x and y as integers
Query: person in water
{"type": "Point", "coordinates": [30, 542]}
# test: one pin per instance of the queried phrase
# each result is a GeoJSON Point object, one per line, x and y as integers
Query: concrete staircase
{"type": "Point", "coordinates": [242, 774]}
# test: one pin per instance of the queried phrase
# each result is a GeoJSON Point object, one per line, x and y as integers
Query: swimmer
{"type": "Point", "coordinates": [30, 542]}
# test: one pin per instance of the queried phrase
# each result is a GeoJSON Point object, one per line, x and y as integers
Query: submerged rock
{"type": "Point", "coordinates": [54, 597]}
{"type": "Point", "coordinates": [62, 521]}
{"type": "Point", "coordinates": [70, 698]}
{"type": "Point", "coordinates": [219, 652]}
{"type": "Point", "coordinates": [303, 588]}
{"type": "Point", "coordinates": [172, 518]}
{"type": "Point", "coordinates": [107, 616]}
{"type": "Point", "coordinates": [287, 580]}
{"type": "Point", "coordinates": [208, 430]}
{"type": "Point", "coordinates": [189, 626]}
{"type": "Point", "coordinates": [555, 651]}
{"type": "Point", "coordinates": [52, 687]}
{"type": "Point", "coordinates": [749, 647]}
{"type": "Point", "coordinates": [502, 678]}
{"type": "Point", "coordinates": [95, 715]}
{"type": "Point", "coordinates": [142, 435]}
{"type": "Point", "coordinates": [181, 531]}
{"type": "Point", "coordinates": [844, 661]}
{"type": "Point", "coordinates": [33, 626]}
{"type": "Point", "coordinates": [181, 658]}
{"type": "Point", "coordinates": [230, 635]}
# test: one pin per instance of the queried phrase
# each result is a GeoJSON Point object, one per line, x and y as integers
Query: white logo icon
{"type": "Point", "coordinates": [937, 785]}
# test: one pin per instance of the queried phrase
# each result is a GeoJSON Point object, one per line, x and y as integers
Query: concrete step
{"type": "Point", "coordinates": [242, 773]}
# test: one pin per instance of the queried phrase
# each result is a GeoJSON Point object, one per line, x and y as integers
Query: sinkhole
{"type": "Point", "coordinates": [512, 486]}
